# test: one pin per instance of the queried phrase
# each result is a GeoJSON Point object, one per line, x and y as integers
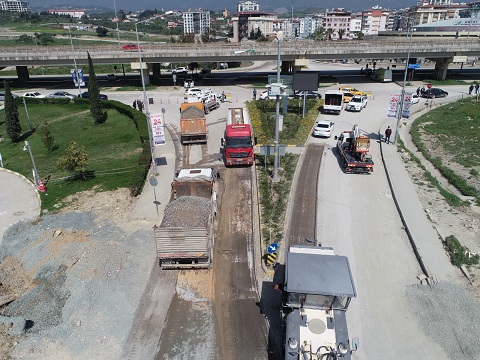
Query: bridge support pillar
{"type": "Point", "coordinates": [286, 67]}
{"type": "Point", "coordinates": [22, 73]}
{"type": "Point", "coordinates": [146, 76]}
{"type": "Point", "coordinates": [156, 73]}
{"type": "Point", "coordinates": [441, 67]}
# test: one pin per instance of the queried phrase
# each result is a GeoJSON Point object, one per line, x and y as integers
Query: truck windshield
{"type": "Point", "coordinates": [239, 142]}
{"type": "Point", "coordinates": [311, 301]}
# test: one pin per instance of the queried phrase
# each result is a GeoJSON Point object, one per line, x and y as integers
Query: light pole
{"type": "Point", "coordinates": [116, 18]}
{"type": "Point", "coordinates": [402, 96]}
{"type": "Point", "coordinates": [147, 113]}
{"type": "Point", "coordinates": [277, 116]}
{"type": "Point", "coordinates": [35, 172]}
{"type": "Point", "coordinates": [75, 64]}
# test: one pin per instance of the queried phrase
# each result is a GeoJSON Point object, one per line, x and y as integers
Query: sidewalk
{"type": "Point", "coordinates": [423, 237]}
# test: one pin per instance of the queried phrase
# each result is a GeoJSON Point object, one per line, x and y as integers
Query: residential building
{"type": "Point", "coordinates": [355, 26]}
{"type": "Point", "coordinates": [374, 20]}
{"type": "Point", "coordinates": [14, 5]}
{"type": "Point", "coordinates": [244, 22]}
{"type": "Point", "coordinates": [246, 6]}
{"type": "Point", "coordinates": [77, 14]}
{"type": "Point", "coordinates": [434, 2]}
{"type": "Point", "coordinates": [196, 22]}
{"type": "Point", "coordinates": [336, 20]}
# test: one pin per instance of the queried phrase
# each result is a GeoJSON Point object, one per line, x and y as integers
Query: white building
{"type": "Point", "coordinates": [196, 22]}
{"type": "Point", "coordinates": [14, 5]}
{"type": "Point", "coordinates": [77, 14]}
{"type": "Point", "coordinates": [355, 26]}
{"type": "Point", "coordinates": [248, 6]}
{"type": "Point", "coordinates": [337, 21]}
{"type": "Point", "coordinates": [374, 20]}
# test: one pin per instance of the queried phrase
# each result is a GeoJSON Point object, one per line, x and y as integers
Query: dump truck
{"type": "Point", "coordinates": [333, 101]}
{"type": "Point", "coordinates": [353, 148]}
{"type": "Point", "coordinates": [238, 144]}
{"type": "Point", "coordinates": [185, 236]}
{"type": "Point", "coordinates": [317, 292]}
{"type": "Point", "coordinates": [193, 122]}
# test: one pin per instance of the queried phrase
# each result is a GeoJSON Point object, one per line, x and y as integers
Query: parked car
{"type": "Point", "coordinates": [2, 96]}
{"type": "Point", "coordinates": [193, 91]}
{"type": "Point", "coordinates": [180, 70]}
{"type": "Point", "coordinates": [264, 96]}
{"type": "Point", "coordinates": [33, 94]}
{"type": "Point", "coordinates": [85, 95]}
{"type": "Point", "coordinates": [434, 93]}
{"type": "Point", "coordinates": [223, 65]}
{"type": "Point", "coordinates": [309, 94]}
{"type": "Point", "coordinates": [357, 103]}
{"type": "Point", "coordinates": [415, 99]}
{"type": "Point", "coordinates": [112, 77]}
{"type": "Point", "coordinates": [131, 47]}
{"type": "Point", "coordinates": [188, 83]}
{"type": "Point", "coordinates": [351, 89]}
{"type": "Point", "coordinates": [61, 95]}
{"type": "Point", "coordinates": [323, 128]}
{"type": "Point", "coordinates": [347, 96]}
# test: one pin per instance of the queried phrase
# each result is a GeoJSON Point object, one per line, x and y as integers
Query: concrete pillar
{"type": "Point", "coordinates": [156, 73]}
{"type": "Point", "coordinates": [286, 67]}
{"type": "Point", "coordinates": [441, 67]}
{"type": "Point", "coordinates": [146, 76]}
{"type": "Point", "coordinates": [22, 73]}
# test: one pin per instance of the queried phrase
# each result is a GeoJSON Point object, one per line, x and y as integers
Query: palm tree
{"type": "Point", "coordinates": [319, 33]}
{"type": "Point", "coordinates": [330, 32]}
{"type": "Point", "coordinates": [341, 32]}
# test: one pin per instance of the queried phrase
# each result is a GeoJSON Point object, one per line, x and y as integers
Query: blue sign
{"type": "Point", "coordinates": [80, 76]}
{"type": "Point", "coordinates": [414, 66]}
{"type": "Point", "coordinates": [272, 248]}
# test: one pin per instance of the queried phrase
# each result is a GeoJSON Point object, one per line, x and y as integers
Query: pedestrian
{"type": "Point", "coordinates": [422, 90]}
{"type": "Point", "coordinates": [254, 94]}
{"type": "Point", "coordinates": [388, 132]}
{"type": "Point", "coordinates": [135, 104]}
{"type": "Point", "coordinates": [418, 91]}
{"type": "Point", "coordinates": [476, 88]}
{"type": "Point", "coordinates": [470, 89]}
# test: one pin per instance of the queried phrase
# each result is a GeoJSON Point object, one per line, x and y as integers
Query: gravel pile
{"type": "Point", "coordinates": [88, 277]}
{"type": "Point", "coordinates": [187, 211]}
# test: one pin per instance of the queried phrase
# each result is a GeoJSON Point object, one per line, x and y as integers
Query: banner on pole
{"type": "Point", "coordinates": [393, 105]}
{"type": "Point", "coordinates": [158, 128]}
{"type": "Point", "coordinates": [80, 76]}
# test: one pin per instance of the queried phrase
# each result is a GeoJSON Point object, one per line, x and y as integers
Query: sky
{"type": "Point", "coordinates": [265, 5]}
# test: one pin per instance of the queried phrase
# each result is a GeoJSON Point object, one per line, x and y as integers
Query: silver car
{"type": "Point", "coordinates": [61, 95]}
{"type": "Point", "coordinates": [2, 96]}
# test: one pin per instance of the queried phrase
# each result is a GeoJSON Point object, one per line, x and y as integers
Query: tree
{"type": "Point", "coordinates": [47, 138]}
{"type": "Point", "coordinates": [74, 160]}
{"type": "Point", "coordinates": [96, 109]}
{"type": "Point", "coordinates": [186, 38]}
{"type": "Point", "coordinates": [330, 32]}
{"type": "Point", "coordinates": [12, 121]}
{"type": "Point", "coordinates": [27, 39]}
{"type": "Point", "coordinates": [341, 32]}
{"type": "Point", "coordinates": [358, 35]}
{"type": "Point", "coordinates": [319, 33]}
{"type": "Point", "coordinates": [101, 31]}
{"type": "Point", "coordinates": [44, 39]}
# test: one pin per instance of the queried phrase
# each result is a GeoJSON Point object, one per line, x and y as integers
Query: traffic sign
{"type": "Point", "coordinates": [414, 66]}
{"type": "Point", "coordinates": [271, 259]}
{"type": "Point", "coordinates": [429, 86]}
{"type": "Point", "coordinates": [272, 248]}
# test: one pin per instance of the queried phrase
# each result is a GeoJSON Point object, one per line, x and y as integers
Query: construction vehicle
{"type": "Point", "coordinates": [333, 101]}
{"type": "Point", "coordinates": [211, 103]}
{"type": "Point", "coordinates": [237, 144]}
{"type": "Point", "coordinates": [354, 148]}
{"type": "Point", "coordinates": [193, 122]}
{"type": "Point", "coordinates": [317, 292]}
{"type": "Point", "coordinates": [185, 236]}
{"type": "Point", "coordinates": [382, 75]}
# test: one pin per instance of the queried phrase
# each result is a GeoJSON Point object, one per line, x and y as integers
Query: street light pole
{"type": "Point", "coordinates": [75, 64]}
{"type": "Point", "coordinates": [35, 172]}
{"type": "Point", "coordinates": [116, 18]}
{"type": "Point", "coordinates": [402, 96]}
{"type": "Point", "coordinates": [145, 102]}
{"type": "Point", "coordinates": [277, 119]}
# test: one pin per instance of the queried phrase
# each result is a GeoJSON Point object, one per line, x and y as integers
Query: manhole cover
{"type": "Point", "coordinates": [317, 326]}
{"type": "Point", "coordinates": [19, 213]}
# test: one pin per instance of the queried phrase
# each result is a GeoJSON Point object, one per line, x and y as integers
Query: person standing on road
{"type": "Point", "coordinates": [388, 133]}
{"type": "Point", "coordinates": [418, 91]}
{"type": "Point", "coordinates": [134, 104]}
{"type": "Point", "coordinates": [476, 88]}
{"type": "Point", "coordinates": [470, 89]}
{"type": "Point", "coordinates": [254, 94]}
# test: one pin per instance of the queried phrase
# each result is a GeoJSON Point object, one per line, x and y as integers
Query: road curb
{"type": "Point", "coordinates": [29, 182]}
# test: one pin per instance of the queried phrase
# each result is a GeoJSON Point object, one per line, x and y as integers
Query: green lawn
{"type": "Point", "coordinates": [114, 148]}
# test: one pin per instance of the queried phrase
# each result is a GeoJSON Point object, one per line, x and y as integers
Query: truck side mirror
{"type": "Point", "coordinates": [223, 142]}
{"type": "Point", "coordinates": [355, 344]}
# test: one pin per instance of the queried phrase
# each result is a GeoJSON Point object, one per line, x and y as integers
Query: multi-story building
{"type": "Point", "coordinates": [432, 13]}
{"type": "Point", "coordinates": [14, 5]}
{"type": "Point", "coordinates": [196, 22]}
{"type": "Point", "coordinates": [336, 20]}
{"type": "Point", "coordinates": [374, 20]}
{"type": "Point", "coordinates": [246, 6]}
{"type": "Point", "coordinates": [246, 22]}
{"type": "Point", "coordinates": [355, 25]}
{"type": "Point", "coordinates": [434, 2]}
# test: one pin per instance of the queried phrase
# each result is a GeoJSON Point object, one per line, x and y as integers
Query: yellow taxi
{"type": "Point", "coordinates": [351, 89]}
{"type": "Point", "coordinates": [347, 96]}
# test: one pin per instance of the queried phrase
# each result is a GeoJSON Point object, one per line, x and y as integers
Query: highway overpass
{"type": "Point", "coordinates": [442, 51]}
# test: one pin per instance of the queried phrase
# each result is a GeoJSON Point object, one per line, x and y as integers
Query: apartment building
{"type": "Point", "coordinates": [246, 6]}
{"type": "Point", "coordinates": [337, 19]}
{"type": "Point", "coordinates": [374, 20]}
{"type": "Point", "coordinates": [244, 22]}
{"type": "Point", "coordinates": [196, 22]}
{"type": "Point", "coordinates": [14, 5]}
{"type": "Point", "coordinates": [77, 14]}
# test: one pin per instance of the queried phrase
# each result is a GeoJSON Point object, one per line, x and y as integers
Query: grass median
{"type": "Point", "coordinates": [118, 152]}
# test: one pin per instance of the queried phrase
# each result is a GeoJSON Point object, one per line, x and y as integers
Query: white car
{"type": "Point", "coordinates": [357, 103]}
{"type": "Point", "coordinates": [193, 91]}
{"type": "Point", "coordinates": [33, 94]}
{"type": "Point", "coordinates": [264, 96]}
{"type": "Point", "coordinates": [61, 95]}
{"type": "Point", "coordinates": [323, 128]}
{"type": "Point", "coordinates": [415, 99]}
{"type": "Point", "coordinates": [180, 70]}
